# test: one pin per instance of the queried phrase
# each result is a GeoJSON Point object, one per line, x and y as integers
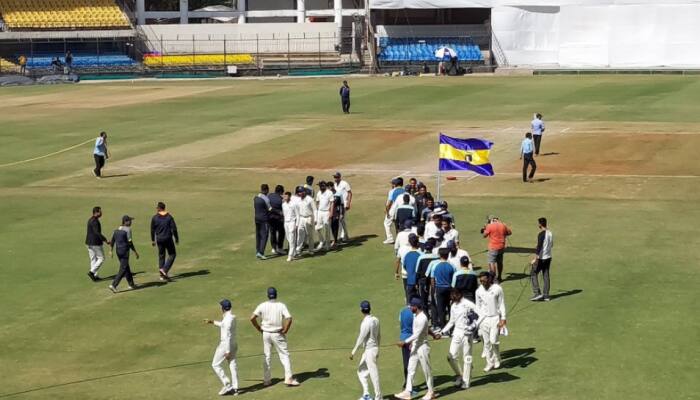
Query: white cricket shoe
{"type": "Point", "coordinates": [289, 258]}
{"type": "Point", "coordinates": [403, 395]}
{"type": "Point", "coordinates": [365, 397]}
{"type": "Point", "coordinates": [464, 386]}
{"type": "Point", "coordinates": [429, 396]}
{"type": "Point", "coordinates": [497, 365]}
{"type": "Point", "coordinates": [274, 251]}
{"type": "Point", "coordinates": [388, 241]}
{"type": "Point", "coordinates": [488, 368]}
{"type": "Point", "coordinates": [224, 390]}
{"type": "Point", "coordinates": [458, 381]}
{"type": "Point", "coordinates": [291, 382]}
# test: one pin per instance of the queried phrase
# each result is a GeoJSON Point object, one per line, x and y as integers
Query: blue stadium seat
{"type": "Point", "coordinates": [423, 49]}
{"type": "Point", "coordinates": [43, 60]}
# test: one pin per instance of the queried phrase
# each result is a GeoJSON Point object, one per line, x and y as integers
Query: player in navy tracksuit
{"type": "Point", "coordinates": [345, 97]}
{"type": "Point", "coordinates": [163, 231]}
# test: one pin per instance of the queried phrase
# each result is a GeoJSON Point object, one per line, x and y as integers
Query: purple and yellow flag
{"type": "Point", "coordinates": [465, 155]}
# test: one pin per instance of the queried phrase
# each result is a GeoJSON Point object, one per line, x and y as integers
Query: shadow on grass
{"type": "Point", "coordinates": [551, 153]}
{"type": "Point", "coordinates": [302, 377]}
{"type": "Point", "coordinates": [520, 250]}
{"type": "Point", "coordinates": [109, 278]}
{"type": "Point", "coordinates": [354, 242]}
{"type": "Point", "coordinates": [518, 358]}
{"type": "Point", "coordinates": [190, 274]}
{"type": "Point", "coordinates": [515, 276]}
{"type": "Point", "coordinates": [148, 285]}
{"type": "Point", "coordinates": [564, 293]}
{"type": "Point", "coordinates": [114, 176]}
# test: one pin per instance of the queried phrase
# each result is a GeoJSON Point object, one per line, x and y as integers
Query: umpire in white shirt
{"type": "Point", "coordinates": [542, 261]}
{"type": "Point", "coordinates": [537, 126]}
{"type": "Point", "coordinates": [226, 350]}
{"type": "Point", "coordinates": [275, 323]}
{"type": "Point", "coordinates": [369, 338]}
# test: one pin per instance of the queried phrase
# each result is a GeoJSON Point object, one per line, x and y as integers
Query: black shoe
{"type": "Point", "coordinates": [92, 276]}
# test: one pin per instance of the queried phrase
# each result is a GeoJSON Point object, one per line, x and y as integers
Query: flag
{"type": "Point", "coordinates": [465, 155]}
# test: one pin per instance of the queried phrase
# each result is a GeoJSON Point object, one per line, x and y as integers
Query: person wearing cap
{"type": "Point", "coordinates": [345, 97]}
{"type": "Point", "coordinates": [406, 263]}
{"type": "Point", "coordinates": [465, 321]}
{"type": "Point", "coordinates": [94, 239]}
{"type": "Point", "coordinates": [441, 281]}
{"type": "Point", "coordinates": [370, 339]}
{"type": "Point", "coordinates": [406, 326]}
{"type": "Point", "coordinates": [408, 228]}
{"type": "Point", "coordinates": [121, 239]}
{"type": "Point", "coordinates": [163, 231]}
{"type": "Point", "coordinates": [394, 193]}
{"type": "Point", "coordinates": [420, 352]}
{"type": "Point", "coordinates": [497, 233]}
{"type": "Point", "coordinates": [289, 212]}
{"type": "Point", "coordinates": [275, 321]}
{"type": "Point", "coordinates": [405, 212]}
{"type": "Point", "coordinates": [537, 126]}
{"type": "Point", "coordinates": [306, 211]}
{"type": "Point", "coordinates": [423, 275]}
{"type": "Point", "coordinates": [465, 279]}
{"type": "Point", "coordinates": [276, 220]}
{"type": "Point", "coordinates": [491, 306]}
{"type": "Point", "coordinates": [262, 209]}
{"type": "Point", "coordinates": [324, 213]}
{"type": "Point", "coordinates": [342, 187]}
{"type": "Point", "coordinates": [226, 350]}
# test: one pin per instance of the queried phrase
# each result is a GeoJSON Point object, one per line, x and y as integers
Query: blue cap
{"type": "Point", "coordinates": [417, 302]}
{"type": "Point", "coordinates": [451, 244]}
{"type": "Point", "coordinates": [408, 224]}
{"type": "Point", "coordinates": [271, 293]}
{"type": "Point", "coordinates": [225, 304]}
{"type": "Point", "coordinates": [365, 306]}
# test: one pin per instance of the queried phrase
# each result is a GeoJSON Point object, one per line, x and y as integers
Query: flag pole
{"type": "Point", "coordinates": [438, 171]}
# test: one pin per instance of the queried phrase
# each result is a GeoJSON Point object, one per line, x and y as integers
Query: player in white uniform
{"type": "Point", "coordinates": [420, 352]}
{"type": "Point", "coordinates": [491, 306]}
{"type": "Point", "coordinates": [289, 212]}
{"type": "Point", "coordinates": [343, 188]}
{"type": "Point", "coordinates": [456, 255]}
{"type": "Point", "coordinates": [464, 320]}
{"type": "Point", "coordinates": [306, 211]}
{"type": "Point", "coordinates": [226, 350]}
{"type": "Point", "coordinates": [369, 338]}
{"type": "Point", "coordinates": [275, 323]}
{"type": "Point", "coordinates": [324, 213]}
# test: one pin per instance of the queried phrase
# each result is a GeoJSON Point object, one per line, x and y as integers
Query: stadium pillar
{"type": "Point", "coordinates": [241, 6]}
{"type": "Point", "coordinates": [141, 12]}
{"type": "Point", "coordinates": [184, 10]}
{"type": "Point", "coordinates": [338, 17]}
{"type": "Point", "coordinates": [301, 11]}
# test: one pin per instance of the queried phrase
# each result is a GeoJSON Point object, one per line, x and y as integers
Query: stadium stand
{"type": "Point", "coordinates": [156, 60]}
{"type": "Point", "coordinates": [62, 14]}
{"type": "Point", "coordinates": [423, 49]}
{"type": "Point", "coordinates": [82, 60]}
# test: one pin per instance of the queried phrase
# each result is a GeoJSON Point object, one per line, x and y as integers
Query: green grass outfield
{"type": "Point", "coordinates": [621, 193]}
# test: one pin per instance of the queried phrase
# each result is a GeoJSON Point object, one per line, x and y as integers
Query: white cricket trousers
{"type": "Point", "coordinates": [280, 342]}
{"type": "Point", "coordinates": [461, 342]}
{"type": "Point", "coordinates": [97, 257]}
{"type": "Point", "coordinates": [305, 233]}
{"type": "Point", "coordinates": [420, 354]}
{"type": "Point", "coordinates": [343, 228]}
{"type": "Point", "coordinates": [218, 362]}
{"type": "Point", "coordinates": [488, 330]}
{"type": "Point", "coordinates": [323, 226]}
{"type": "Point", "coordinates": [388, 223]}
{"type": "Point", "coordinates": [290, 230]}
{"type": "Point", "coordinates": [368, 369]}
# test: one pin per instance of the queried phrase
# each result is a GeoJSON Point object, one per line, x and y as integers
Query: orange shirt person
{"type": "Point", "coordinates": [496, 232]}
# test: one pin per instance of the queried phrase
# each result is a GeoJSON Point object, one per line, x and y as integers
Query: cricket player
{"type": "Point", "coordinates": [289, 211]}
{"type": "Point", "coordinates": [94, 240]}
{"type": "Point", "coordinates": [537, 126]}
{"type": "Point", "coordinates": [324, 213]}
{"type": "Point", "coordinates": [395, 191]}
{"type": "Point", "coordinates": [163, 231]}
{"type": "Point", "coordinates": [306, 211]}
{"type": "Point", "coordinates": [464, 320]}
{"type": "Point", "coordinates": [121, 239]}
{"type": "Point", "coordinates": [226, 350]}
{"type": "Point", "coordinates": [343, 188]}
{"type": "Point", "coordinates": [275, 323]}
{"type": "Point", "coordinates": [369, 338]}
{"type": "Point", "coordinates": [491, 306]}
{"type": "Point", "coordinates": [100, 154]}
{"type": "Point", "coordinates": [420, 352]}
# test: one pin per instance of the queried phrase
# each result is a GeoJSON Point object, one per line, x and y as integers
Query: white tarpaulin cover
{"type": "Point", "coordinates": [394, 4]}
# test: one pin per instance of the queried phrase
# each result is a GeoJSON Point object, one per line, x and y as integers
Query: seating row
{"type": "Point", "coordinates": [62, 14]}
{"type": "Point", "coordinates": [155, 60]}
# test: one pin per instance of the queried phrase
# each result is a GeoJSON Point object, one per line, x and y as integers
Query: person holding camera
{"type": "Point", "coordinates": [496, 232]}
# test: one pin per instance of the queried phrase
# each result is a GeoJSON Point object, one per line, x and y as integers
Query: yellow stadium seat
{"type": "Point", "coordinates": [62, 14]}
